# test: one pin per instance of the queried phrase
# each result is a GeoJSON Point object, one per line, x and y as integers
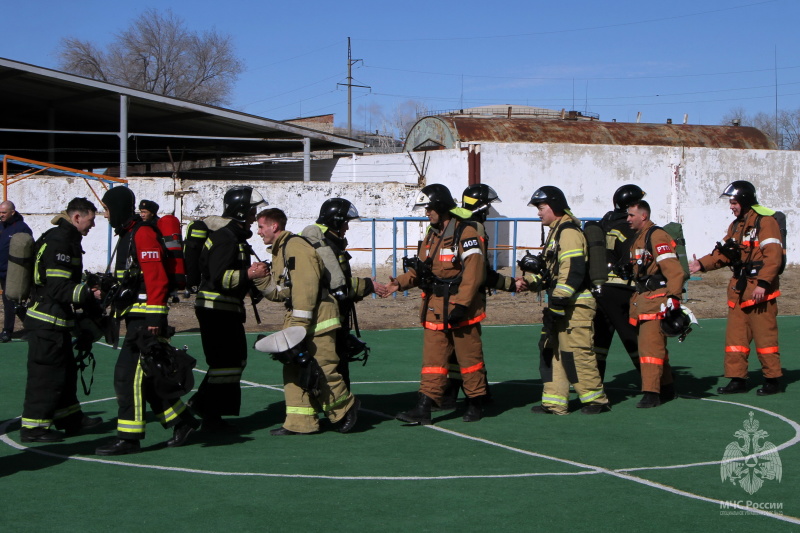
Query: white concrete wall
{"type": "Point", "coordinates": [681, 184]}
{"type": "Point", "coordinates": [39, 199]}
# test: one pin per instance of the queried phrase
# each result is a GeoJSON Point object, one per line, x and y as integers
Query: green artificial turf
{"type": "Point", "coordinates": [627, 470]}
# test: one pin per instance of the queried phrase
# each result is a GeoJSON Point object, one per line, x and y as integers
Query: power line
{"type": "Point", "coordinates": [556, 102]}
{"type": "Point", "coordinates": [572, 30]}
{"type": "Point", "coordinates": [335, 76]}
{"type": "Point", "coordinates": [337, 43]}
{"type": "Point", "coordinates": [570, 78]}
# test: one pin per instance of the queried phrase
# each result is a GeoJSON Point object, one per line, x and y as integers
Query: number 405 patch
{"type": "Point", "coordinates": [469, 244]}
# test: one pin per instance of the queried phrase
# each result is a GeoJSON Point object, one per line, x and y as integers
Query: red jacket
{"type": "Point", "coordinates": [143, 260]}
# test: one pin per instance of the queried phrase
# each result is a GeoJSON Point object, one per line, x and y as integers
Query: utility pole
{"type": "Point", "coordinates": [350, 63]}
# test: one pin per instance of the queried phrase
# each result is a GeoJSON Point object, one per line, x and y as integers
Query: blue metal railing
{"type": "Point", "coordinates": [396, 221]}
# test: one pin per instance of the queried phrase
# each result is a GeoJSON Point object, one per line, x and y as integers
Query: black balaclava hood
{"type": "Point", "coordinates": [121, 205]}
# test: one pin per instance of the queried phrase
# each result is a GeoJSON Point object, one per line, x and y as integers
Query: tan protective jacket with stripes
{"type": "Point", "coordinates": [297, 277]}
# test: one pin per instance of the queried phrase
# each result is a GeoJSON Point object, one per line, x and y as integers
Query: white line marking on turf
{"type": "Point", "coordinates": [5, 438]}
{"type": "Point", "coordinates": [620, 472]}
{"type": "Point", "coordinates": [589, 469]}
{"type": "Point", "coordinates": [791, 442]}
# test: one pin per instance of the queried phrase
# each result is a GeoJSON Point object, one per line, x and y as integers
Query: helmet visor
{"type": "Point", "coordinates": [421, 203]}
{"type": "Point", "coordinates": [539, 197]}
{"type": "Point", "coordinates": [352, 213]}
{"type": "Point", "coordinates": [256, 199]}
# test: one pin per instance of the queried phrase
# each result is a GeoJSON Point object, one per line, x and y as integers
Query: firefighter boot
{"type": "Point", "coordinates": [736, 386]}
{"type": "Point", "coordinates": [474, 409]}
{"type": "Point", "coordinates": [420, 414]}
{"type": "Point", "coordinates": [119, 447]}
{"type": "Point", "coordinates": [448, 401]}
{"type": "Point", "coordinates": [649, 400]}
{"type": "Point", "coordinates": [668, 393]}
{"type": "Point", "coordinates": [180, 434]}
{"type": "Point", "coordinates": [770, 387]}
{"type": "Point", "coordinates": [40, 435]}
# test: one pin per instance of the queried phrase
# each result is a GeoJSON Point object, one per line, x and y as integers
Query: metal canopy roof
{"type": "Point", "coordinates": [53, 111]}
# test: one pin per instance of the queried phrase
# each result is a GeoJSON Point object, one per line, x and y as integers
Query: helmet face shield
{"type": "Point", "coordinates": [240, 201]}
{"type": "Point", "coordinates": [436, 197]}
{"type": "Point", "coordinates": [421, 203]}
{"type": "Point", "coordinates": [352, 213]}
{"type": "Point", "coordinates": [743, 192]}
{"type": "Point", "coordinates": [256, 199]}
{"type": "Point", "coordinates": [334, 212]}
{"type": "Point", "coordinates": [477, 197]}
{"type": "Point", "coordinates": [552, 196]}
{"type": "Point", "coordinates": [538, 197]}
{"type": "Point", "coordinates": [730, 191]}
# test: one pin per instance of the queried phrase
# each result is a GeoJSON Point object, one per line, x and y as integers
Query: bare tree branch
{"type": "Point", "coordinates": [157, 53]}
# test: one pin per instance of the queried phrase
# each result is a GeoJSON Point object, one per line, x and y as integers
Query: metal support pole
{"type": "Point", "coordinates": [306, 159]}
{"type": "Point", "coordinates": [123, 136]}
{"type": "Point", "coordinates": [123, 152]}
{"type": "Point", "coordinates": [51, 138]}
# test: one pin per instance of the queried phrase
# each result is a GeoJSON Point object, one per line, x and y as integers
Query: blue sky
{"type": "Point", "coordinates": [615, 58]}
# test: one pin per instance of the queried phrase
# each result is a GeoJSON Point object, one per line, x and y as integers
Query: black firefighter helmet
{"type": "Point", "coordinates": [477, 198]}
{"type": "Point", "coordinates": [626, 195]}
{"type": "Point", "coordinates": [436, 197]}
{"type": "Point", "coordinates": [239, 201]}
{"type": "Point", "coordinates": [552, 196]}
{"type": "Point", "coordinates": [743, 192]}
{"type": "Point", "coordinates": [335, 212]}
{"type": "Point", "coordinates": [677, 323]}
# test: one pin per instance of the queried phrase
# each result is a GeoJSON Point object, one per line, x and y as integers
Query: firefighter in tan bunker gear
{"type": "Point", "coordinates": [295, 280]}
{"type": "Point", "coordinates": [450, 269]}
{"type": "Point", "coordinates": [659, 279]}
{"type": "Point", "coordinates": [566, 344]}
{"type": "Point", "coordinates": [753, 249]}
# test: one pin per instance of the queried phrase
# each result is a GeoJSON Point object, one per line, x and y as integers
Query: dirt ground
{"type": "Point", "coordinates": [705, 297]}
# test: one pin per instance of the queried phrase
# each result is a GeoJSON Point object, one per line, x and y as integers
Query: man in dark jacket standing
{"type": "Point", "coordinates": [11, 222]}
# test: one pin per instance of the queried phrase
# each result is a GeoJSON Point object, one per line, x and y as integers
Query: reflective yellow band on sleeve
{"type": "Point", "coordinates": [569, 254]}
{"type": "Point", "coordinates": [325, 324]}
{"type": "Point", "coordinates": [566, 289]}
{"type": "Point", "coordinates": [230, 279]}
{"type": "Point", "coordinates": [57, 273]}
{"type": "Point", "coordinates": [77, 292]}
